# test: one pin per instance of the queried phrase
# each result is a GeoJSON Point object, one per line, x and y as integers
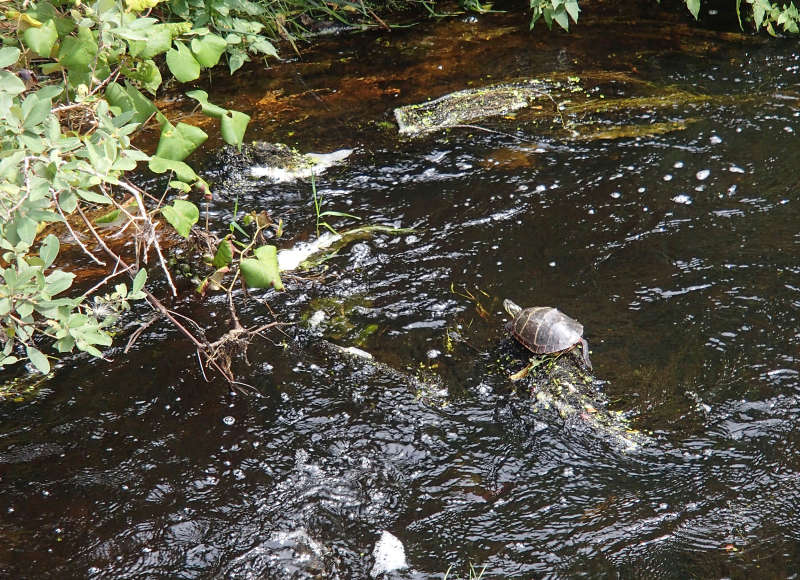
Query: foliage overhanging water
{"type": "Point", "coordinates": [676, 250]}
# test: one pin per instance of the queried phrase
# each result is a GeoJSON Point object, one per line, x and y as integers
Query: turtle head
{"type": "Point", "coordinates": [511, 307]}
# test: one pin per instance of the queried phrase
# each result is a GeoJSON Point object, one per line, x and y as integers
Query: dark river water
{"type": "Point", "coordinates": [677, 250]}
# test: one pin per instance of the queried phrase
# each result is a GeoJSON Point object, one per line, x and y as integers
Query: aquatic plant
{"type": "Point", "coordinates": [473, 573]}
{"type": "Point", "coordinates": [320, 214]}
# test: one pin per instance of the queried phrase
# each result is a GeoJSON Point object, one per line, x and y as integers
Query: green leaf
{"type": "Point", "coordinates": [130, 99]}
{"type": "Point", "coordinates": [236, 59]}
{"type": "Point", "coordinates": [157, 41]}
{"type": "Point", "coordinates": [39, 188]}
{"type": "Point", "coordinates": [182, 63]}
{"type": "Point", "coordinates": [123, 164]}
{"type": "Point", "coordinates": [8, 56]}
{"type": "Point", "coordinates": [560, 16]}
{"type": "Point", "coordinates": [118, 97]}
{"type": "Point", "coordinates": [262, 271]}
{"type": "Point", "coordinates": [38, 359]}
{"type": "Point", "coordinates": [78, 52]}
{"type": "Point", "coordinates": [182, 171]}
{"type": "Point", "coordinates": [141, 5]}
{"type": "Point", "coordinates": [209, 109]}
{"type": "Point", "coordinates": [181, 186]}
{"type": "Point", "coordinates": [136, 155]}
{"type": "Point", "coordinates": [24, 309]}
{"type": "Point", "coordinates": [758, 14]}
{"type": "Point", "coordinates": [9, 165]}
{"type": "Point", "coordinates": [50, 68]}
{"type": "Point", "coordinates": [178, 142]}
{"type": "Point", "coordinates": [694, 7]}
{"type": "Point", "coordinates": [208, 49]}
{"type": "Point", "coordinates": [224, 254]}
{"type": "Point", "coordinates": [108, 218]}
{"type": "Point", "coordinates": [138, 281]}
{"type": "Point", "coordinates": [93, 197]}
{"type": "Point", "coordinates": [65, 344]}
{"type": "Point", "coordinates": [144, 107]}
{"type": "Point", "coordinates": [58, 281]}
{"type": "Point", "coordinates": [68, 201]}
{"type": "Point", "coordinates": [49, 250]}
{"type": "Point", "coordinates": [35, 110]}
{"type": "Point", "coordinates": [146, 73]}
{"type": "Point", "coordinates": [214, 281]}
{"type": "Point", "coordinates": [262, 45]}
{"type": "Point", "coordinates": [42, 39]}
{"type": "Point", "coordinates": [338, 214]}
{"type": "Point", "coordinates": [11, 83]}
{"type": "Point", "coordinates": [572, 9]}
{"type": "Point", "coordinates": [130, 28]}
{"type": "Point", "coordinates": [233, 126]}
{"type": "Point", "coordinates": [26, 229]}
{"type": "Point", "coordinates": [182, 215]}
{"type": "Point", "coordinates": [7, 360]}
{"type": "Point", "coordinates": [50, 92]}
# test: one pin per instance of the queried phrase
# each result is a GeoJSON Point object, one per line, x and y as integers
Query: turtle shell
{"type": "Point", "coordinates": [545, 330]}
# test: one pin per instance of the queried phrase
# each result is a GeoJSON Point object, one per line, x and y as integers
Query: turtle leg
{"type": "Point", "coordinates": [585, 349]}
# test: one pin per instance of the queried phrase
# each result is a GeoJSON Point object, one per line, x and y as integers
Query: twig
{"type": "Point", "coordinates": [375, 16]}
{"type": "Point", "coordinates": [240, 384]}
{"type": "Point", "coordinates": [200, 364]}
{"type": "Point", "coordinates": [86, 251]}
{"type": "Point", "coordinates": [137, 196]}
{"type": "Point", "coordinates": [113, 274]}
{"type": "Point", "coordinates": [202, 347]}
{"type": "Point", "coordinates": [27, 190]}
{"type": "Point", "coordinates": [135, 192]}
{"type": "Point", "coordinates": [487, 130]}
{"type": "Point", "coordinates": [154, 302]}
{"type": "Point", "coordinates": [138, 332]}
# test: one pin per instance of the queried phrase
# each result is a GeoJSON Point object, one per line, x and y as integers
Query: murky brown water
{"type": "Point", "coordinates": [677, 251]}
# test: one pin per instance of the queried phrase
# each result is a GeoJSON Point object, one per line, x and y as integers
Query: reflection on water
{"type": "Point", "coordinates": [676, 250]}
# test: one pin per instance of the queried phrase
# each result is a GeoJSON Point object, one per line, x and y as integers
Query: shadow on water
{"type": "Point", "coordinates": [676, 250]}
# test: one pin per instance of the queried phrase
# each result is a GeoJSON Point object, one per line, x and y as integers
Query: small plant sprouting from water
{"type": "Point", "coordinates": [327, 213]}
{"type": "Point", "coordinates": [234, 223]}
{"type": "Point", "coordinates": [473, 573]}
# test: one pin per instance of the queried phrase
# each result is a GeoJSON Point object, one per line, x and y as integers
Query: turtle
{"type": "Point", "coordinates": [546, 330]}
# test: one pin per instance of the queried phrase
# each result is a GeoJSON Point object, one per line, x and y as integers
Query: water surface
{"type": "Point", "coordinates": [677, 251]}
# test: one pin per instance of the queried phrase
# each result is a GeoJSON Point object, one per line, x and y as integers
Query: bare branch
{"type": "Point", "coordinates": [76, 238]}
{"type": "Point", "coordinates": [138, 332]}
{"type": "Point", "coordinates": [113, 274]}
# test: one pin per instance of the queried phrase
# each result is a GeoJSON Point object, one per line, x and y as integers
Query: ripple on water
{"type": "Point", "coordinates": [675, 251]}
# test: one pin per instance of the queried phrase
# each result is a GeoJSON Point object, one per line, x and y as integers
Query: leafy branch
{"type": "Point", "coordinates": [73, 80]}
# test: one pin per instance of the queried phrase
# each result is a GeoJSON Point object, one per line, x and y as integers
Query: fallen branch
{"type": "Point", "coordinates": [218, 354]}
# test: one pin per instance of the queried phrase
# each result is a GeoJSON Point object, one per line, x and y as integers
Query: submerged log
{"type": "Point", "coordinates": [468, 105]}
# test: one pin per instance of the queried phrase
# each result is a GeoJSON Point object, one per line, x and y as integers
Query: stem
{"type": "Point", "coordinates": [155, 303]}
{"type": "Point", "coordinates": [317, 201]}
{"type": "Point", "coordinates": [75, 236]}
{"type": "Point", "coordinates": [113, 274]}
